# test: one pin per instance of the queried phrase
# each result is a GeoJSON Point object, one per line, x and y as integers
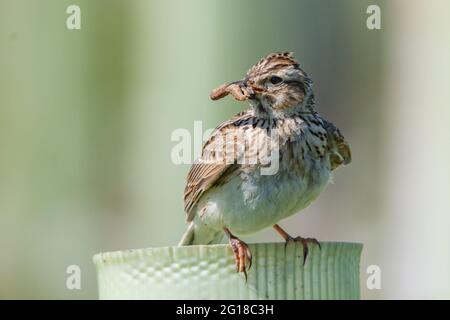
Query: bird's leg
{"type": "Point", "coordinates": [303, 241]}
{"type": "Point", "coordinates": [241, 251]}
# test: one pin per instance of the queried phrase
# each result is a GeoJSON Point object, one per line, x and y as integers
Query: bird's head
{"type": "Point", "coordinates": [276, 84]}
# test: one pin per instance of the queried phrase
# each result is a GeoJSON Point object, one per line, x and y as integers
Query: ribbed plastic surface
{"type": "Point", "coordinates": [209, 272]}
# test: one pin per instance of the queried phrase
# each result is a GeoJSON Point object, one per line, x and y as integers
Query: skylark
{"type": "Point", "coordinates": [227, 192]}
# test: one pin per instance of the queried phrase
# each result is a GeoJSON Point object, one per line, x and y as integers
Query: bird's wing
{"type": "Point", "coordinates": [339, 147]}
{"type": "Point", "coordinates": [210, 168]}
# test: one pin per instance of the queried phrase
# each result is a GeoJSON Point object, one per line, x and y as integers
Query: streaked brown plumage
{"type": "Point", "coordinates": [226, 193]}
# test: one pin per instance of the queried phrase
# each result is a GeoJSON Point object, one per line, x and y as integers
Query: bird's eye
{"type": "Point", "coordinates": [275, 80]}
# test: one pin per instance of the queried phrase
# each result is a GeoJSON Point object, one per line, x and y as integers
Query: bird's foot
{"type": "Point", "coordinates": [242, 254]}
{"type": "Point", "coordinates": [304, 242]}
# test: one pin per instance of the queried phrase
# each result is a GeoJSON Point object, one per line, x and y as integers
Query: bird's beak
{"type": "Point", "coordinates": [250, 91]}
{"type": "Point", "coordinates": [252, 88]}
{"type": "Point", "coordinates": [241, 90]}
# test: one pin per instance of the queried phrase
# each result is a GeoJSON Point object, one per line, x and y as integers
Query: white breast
{"type": "Point", "coordinates": [250, 201]}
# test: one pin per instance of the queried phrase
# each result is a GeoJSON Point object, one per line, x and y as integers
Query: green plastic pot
{"type": "Point", "coordinates": [209, 272]}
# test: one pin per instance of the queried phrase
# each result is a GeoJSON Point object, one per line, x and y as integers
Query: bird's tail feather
{"type": "Point", "coordinates": [188, 236]}
{"type": "Point", "coordinates": [200, 234]}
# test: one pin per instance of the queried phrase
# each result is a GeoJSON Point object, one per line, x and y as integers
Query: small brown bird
{"type": "Point", "coordinates": [264, 164]}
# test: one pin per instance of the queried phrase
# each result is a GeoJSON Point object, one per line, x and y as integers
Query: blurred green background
{"type": "Point", "coordinates": [86, 118]}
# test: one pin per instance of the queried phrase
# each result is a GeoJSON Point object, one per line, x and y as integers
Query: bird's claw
{"type": "Point", "coordinates": [242, 255]}
{"type": "Point", "coordinates": [304, 242]}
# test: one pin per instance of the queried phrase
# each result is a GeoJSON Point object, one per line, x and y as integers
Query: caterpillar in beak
{"type": "Point", "coordinates": [238, 89]}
